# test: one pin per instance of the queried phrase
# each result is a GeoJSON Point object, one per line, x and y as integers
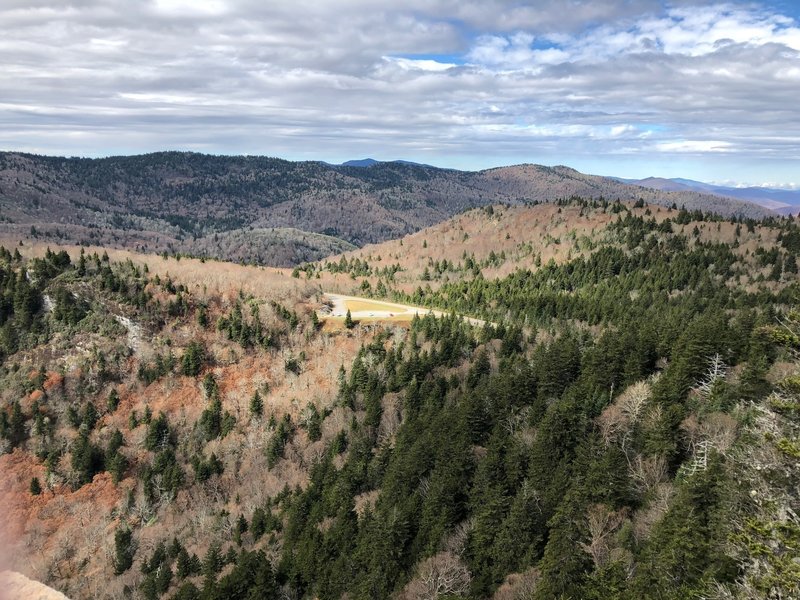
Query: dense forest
{"type": "Point", "coordinates": [624, 426]}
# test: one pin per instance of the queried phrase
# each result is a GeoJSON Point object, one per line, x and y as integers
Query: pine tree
{"type": "Point", "coordinates": [36, 487]}
{"type": "Point", "coordinates": [348, 320]}
{"type": "Point", "coordinates": [193, 358]}
{"type": "Point", "coordinates": [17, 432]}
{"type": "Point", "coordinates": [256, 405]}
{"type": "Point", "coordinates": [113, 400]}
{"type": "Point", "coordinates": [124, 550]}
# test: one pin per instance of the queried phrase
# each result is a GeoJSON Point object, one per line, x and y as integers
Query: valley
{"type": "Point", "coordinates": [370, 300]}
{"type": "Point", "coordinates": [608, 422]}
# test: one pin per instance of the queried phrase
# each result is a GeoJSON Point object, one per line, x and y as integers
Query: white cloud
{"type": "Point", "coordinates": [695, 146]}
{"type": "Point", "coordinates": [409, 64]}
{"type": "Point", "coordinates": [310, 79]}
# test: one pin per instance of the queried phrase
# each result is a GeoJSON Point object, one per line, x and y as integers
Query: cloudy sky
{"type": "Point", "coordinates": [703, 90]}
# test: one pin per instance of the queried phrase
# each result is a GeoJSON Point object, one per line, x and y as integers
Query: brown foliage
{"type": "Point", "coordinates": [441, 574]}
{"type": "Point", "coordinates": [518, 586]}
{"type": "Point", "coordinates": [602, 523]}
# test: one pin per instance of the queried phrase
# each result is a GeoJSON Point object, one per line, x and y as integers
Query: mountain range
{"type": "Point", "coordinates": [782, 201]}
{"type": "Point", "coordinates": [278, 212]}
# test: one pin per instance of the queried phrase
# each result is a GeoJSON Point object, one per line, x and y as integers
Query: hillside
{"type": "Point", "coordinates": [184, 202]}
{"type": "Point", "coordinates": [624, 425]}
{"type": "Point", "coordinates": [782, 201]}
{"type": "Point", "coordinates": [503, 239]}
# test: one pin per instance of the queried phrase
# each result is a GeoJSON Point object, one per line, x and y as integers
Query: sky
{"type": "Point", "coordinates": [631, 88]}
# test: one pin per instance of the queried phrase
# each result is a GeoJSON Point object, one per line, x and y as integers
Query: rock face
{"type": "Point", "coordinates": [15, 586]}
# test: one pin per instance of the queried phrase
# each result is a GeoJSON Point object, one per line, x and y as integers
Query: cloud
{"type": "Point", "coordinates": [490, 81]}
{"type": "Point", "coordinates": [695, 146]}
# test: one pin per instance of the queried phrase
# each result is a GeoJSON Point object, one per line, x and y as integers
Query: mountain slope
{"type": "Point", "coordinates": [785, 202]}
{"type": "Point", "coordinates": [166, 201]}
{"type": "Point", "coordinates": [623, 426]}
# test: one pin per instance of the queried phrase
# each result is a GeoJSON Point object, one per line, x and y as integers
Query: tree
{"type": "Point", "coordinates": [256, 405]}
{"type": "Point", "coordinates": [193, 358]}
{"type": "Point", "coordinates": [252, 577]}
{"type": "Point", "coordinates": [17, 432]}
{"type": "Point", "coordinates": [36, 487]}
{"type": "Point", "coordinates": [124, 550]}
{"type": "Point", "coordinates": [212, 564]}
{"type": "Point", "coordinates": [158, 433]}
{"type": "Point", "coordinates": [87, 459]}
{"type": "Point", "coordinates": [113, 400]}
{"type": "Point", "coordinates": [348, 320]}
{"type": "Point", "coordinates": [202, 317]}
{"type": "Point", "coordinates": [441, 575]}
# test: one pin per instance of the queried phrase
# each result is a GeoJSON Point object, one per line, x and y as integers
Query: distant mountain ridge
{"type": "Point", "coordinates": [185, 202]}
{"type": "Point", "coordinates": [368, 162]}
{"type": "Point", "coordinates": [782, 201]}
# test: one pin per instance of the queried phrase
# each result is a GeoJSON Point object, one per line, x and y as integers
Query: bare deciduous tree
{"type": "Point", "coordinates": [645, 518]}
{"type": "Point", "coordinates": [715, 431]}
{"type": "Point", "coordinates": [619, 418]}
{"type": "Point", "coordinates": [519, 586]}
{"type": "Point", "coordinates": [602, 523]}
{"type": "Point", "coordinates": [717, 371]}
{"type": "Point", "coordinates": [440, 575]}
{"type": "Point", "coordinates": [647, 472]}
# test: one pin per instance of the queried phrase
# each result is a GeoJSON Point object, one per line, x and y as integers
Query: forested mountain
{"type": "Point", "coordinates": [624, 426]}
{"type": "Point", "coordinates": [783, 201]}
{"type": "Point", "coordinates": [179, 202]}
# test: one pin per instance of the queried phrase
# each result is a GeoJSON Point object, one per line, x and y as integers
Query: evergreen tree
{"type": "Point", "coordinates": [193, 358]}
{"type": "Point", "coordinates": [124, 550]}
{"type": "Point", "coordinates": [113, 400]}
{"type": "Point", "coordinates": [16, 432]}
{"type": "Point", "coordinates": [256, 405]}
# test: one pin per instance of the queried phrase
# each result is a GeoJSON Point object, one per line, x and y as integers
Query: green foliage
{"type": "Point", "coordinates": [509, 447]}
{"type": "Point", "coordinates": [87, 459]}
{"type": "Point", "coordinates": [206, 468]}
{"type": "Point", "coordinates": [68, 308]}
{"type": "Point", "coordinates": [124, 550]}
{"type": "Point", "coordinates": [193, 359]}
{"type": "Point", "coordinates": [252, 577]}
{"type": "Point", "coordinates": [187, 565]}
{"type": "Point", "coordinates": [279, 439]}
{"type": "Point", "coordinates": [16, 432]}
{"type": "Point", "coordinates": [113, 400]}
{"type": "Point", "coordinates": [163, 478]}
{"type": "Point", "coordinates": [158, 435]}
{"type": "Point", "coordinates": [213, 423]}
{"type": "Point", "coordinates": [256, 405]}
{"type": "Point", "coordinates": [115, 461]}
{"type": "Point", "coordinates": [162, 365]}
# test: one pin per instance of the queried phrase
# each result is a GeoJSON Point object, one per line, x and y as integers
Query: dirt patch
{"type": "Point", "coordinates": [369, 310]}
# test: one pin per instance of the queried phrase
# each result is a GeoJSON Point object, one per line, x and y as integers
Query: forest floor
{"type": "Point", "coordinates": [367, 309]}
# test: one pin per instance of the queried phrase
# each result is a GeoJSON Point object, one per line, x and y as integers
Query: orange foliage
{"type": "Point", "coordinates": [54, 380]}
{"type": "Point", "coordinates": [20, 508]}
